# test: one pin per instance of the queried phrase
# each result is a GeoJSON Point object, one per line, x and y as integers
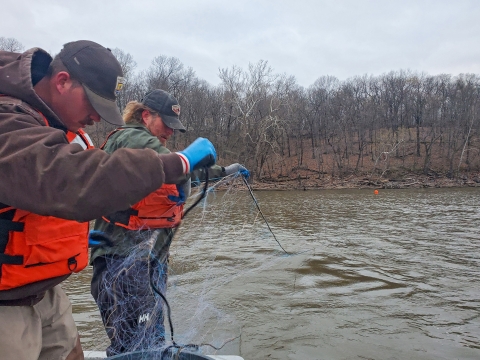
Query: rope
{"type": "Point", "coordinates": [261, 213]}
{"type": "Point", "coordinates": [154, 287]}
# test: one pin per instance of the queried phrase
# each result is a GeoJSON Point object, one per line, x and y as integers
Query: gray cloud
{"type": "Point", "coordinates": [307, 39]}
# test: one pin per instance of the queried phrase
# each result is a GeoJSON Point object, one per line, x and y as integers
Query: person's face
{"type": "Point", "coordinates": [155, 124]}
{"type": "Point", "coordinates": [72, 105]}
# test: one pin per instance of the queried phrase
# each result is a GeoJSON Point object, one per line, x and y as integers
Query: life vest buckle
{"type": "Point", "coordinates": [72, 263]}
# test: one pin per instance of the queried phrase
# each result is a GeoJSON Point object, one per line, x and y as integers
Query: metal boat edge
{"type": "Point", "coordinates": [101, 355]}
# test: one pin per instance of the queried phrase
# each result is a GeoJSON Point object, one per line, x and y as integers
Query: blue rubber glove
{"type": "Point", "coordinates": [98, 238]}
{"type": "Point", "coordinates": [200, 153]}
{"type": "Point", "coordinates": [180, 199]}
{"type": "Point", "coordinates": [234, 168]}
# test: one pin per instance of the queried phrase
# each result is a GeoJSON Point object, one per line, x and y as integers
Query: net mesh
{"type": "Point", "coordinates": [198, 324]}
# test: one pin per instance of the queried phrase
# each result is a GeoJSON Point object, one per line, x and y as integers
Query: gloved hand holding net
{"type": "Point", "coordinates": [198, 154]}
{"type": "Point", "coordinates": [235, 168]}
{"type": "Point", "coordinates": [183, 192]}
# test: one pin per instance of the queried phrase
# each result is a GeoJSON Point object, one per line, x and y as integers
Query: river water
{"type": "Point", "coordinates": [388, 276]}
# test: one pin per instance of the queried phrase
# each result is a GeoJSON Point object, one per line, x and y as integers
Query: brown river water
{"type": "Point", "coordinates": [388, 276]}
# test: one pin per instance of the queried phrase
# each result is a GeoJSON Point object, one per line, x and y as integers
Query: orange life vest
{"type": "Point", "coordinates": [36, 247]}
{"type": "Point", "coordinates": [152, 212]}
{"type": "Point", "coordinates": [81, 138]}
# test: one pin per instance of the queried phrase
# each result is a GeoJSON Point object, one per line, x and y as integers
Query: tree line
{"type": "Point", "coordinates": [386, 125]}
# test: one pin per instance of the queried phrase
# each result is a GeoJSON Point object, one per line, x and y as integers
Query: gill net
{"type": "Point", "coordinates": [181, 313]}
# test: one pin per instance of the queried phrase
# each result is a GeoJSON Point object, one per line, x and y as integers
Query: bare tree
{"type": "Point", "coordinates": [252, 110]}
{"type": "Point", "coordinates": [165, 73]}
{"type": "Point", "coordinates": [10, 44]}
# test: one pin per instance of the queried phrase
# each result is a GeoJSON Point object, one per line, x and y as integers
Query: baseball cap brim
{"type": "Point", "coordinates": [173, 123]}
{"type": "Point", "coordinates": [107, 109]}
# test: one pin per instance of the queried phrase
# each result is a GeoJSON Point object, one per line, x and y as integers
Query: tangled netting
{"type": "Point", "coordinates": [184, 317]}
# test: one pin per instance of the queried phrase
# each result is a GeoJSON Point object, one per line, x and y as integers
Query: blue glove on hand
{"type": "Point", "coordinates": [98, 238]}
{"type": "Point", "coordinates": [234, 168]}
{"type": "Point", "coordinates": [200, 153]}
{"type": "Point", "coordinates": [180, 199]}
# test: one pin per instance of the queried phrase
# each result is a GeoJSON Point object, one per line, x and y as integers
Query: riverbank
{"type": "Point", "coordinates": [359, 182]}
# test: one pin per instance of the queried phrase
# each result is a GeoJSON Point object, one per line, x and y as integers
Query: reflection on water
{"type": "Point", "coordinates": [387, 276]}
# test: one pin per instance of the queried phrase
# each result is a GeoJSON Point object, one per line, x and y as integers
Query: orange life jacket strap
{"type": "Point", "coordinates": [7, 225]}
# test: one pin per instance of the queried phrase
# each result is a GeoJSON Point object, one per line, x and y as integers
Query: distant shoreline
{"type": "Point", "coordinates": [354, 182]}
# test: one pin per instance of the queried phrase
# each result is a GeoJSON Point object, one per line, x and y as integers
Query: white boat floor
{"type": "Point", "coordinates": [101, 355]}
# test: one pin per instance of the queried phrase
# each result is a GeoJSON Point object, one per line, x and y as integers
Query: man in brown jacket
{"type": "Point", "coordinates": [49, 186]}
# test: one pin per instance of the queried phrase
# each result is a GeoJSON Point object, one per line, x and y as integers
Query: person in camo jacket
{"type": "Point", "coordinates": [131, 312]}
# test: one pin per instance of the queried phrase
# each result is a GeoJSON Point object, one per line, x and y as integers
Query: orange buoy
{"type": "Point", "coordinates": [376, 192]}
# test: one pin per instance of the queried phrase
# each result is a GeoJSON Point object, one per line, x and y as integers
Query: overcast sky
{"type": "Point", "coordinates": [304, 38]}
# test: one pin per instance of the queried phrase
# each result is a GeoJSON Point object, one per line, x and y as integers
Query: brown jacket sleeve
{"type": "Point", "coordinates": [42, 173]}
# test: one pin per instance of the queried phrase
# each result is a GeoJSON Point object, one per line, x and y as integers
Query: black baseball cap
{"type": "Point", "coordinates": [100, 74]}
{"type": "Point", "coordinates": [167, 106]}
